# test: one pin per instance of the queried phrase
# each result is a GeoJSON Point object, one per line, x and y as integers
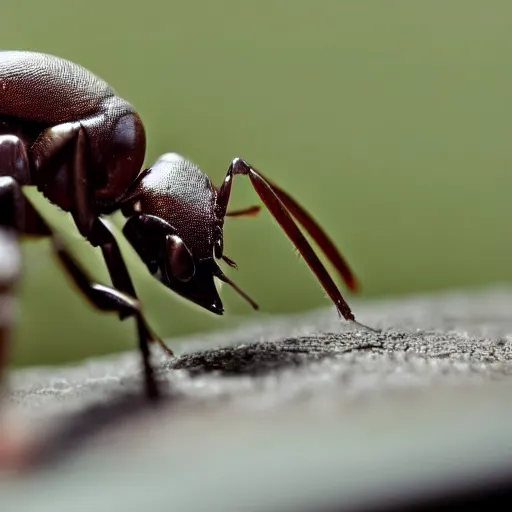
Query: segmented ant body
{"type": "Point", "coordinates": [65, 131]}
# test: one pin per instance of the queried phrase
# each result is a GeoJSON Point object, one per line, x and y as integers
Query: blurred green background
{"type": "Point", "coordinates": [390, 120]}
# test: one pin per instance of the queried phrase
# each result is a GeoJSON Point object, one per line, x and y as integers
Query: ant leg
{"type": "Point", "coordinates": [283, 207]}
{"type": "Point", "coordinates": [96, 230]}
{"type": "Point", "coordinates": [102, 297]}
{"type": "Point", "coordinates": [103, 237]}
{"type": "Point", "coordinates": [250, 211]}
{"type": "Point", "coordinates": [93, 228]}
{"type": "Point", "coordinates": [13, 205]}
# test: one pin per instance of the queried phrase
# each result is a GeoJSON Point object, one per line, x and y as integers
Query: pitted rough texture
{"type": "Point", "coordinates": [39, 92]}
{"type": "Point", "coordinates": [288, 413]}
{"type": "Point", "coordinates": [69, 90]}
{"type": "Point", "coordinates": [177, 191]}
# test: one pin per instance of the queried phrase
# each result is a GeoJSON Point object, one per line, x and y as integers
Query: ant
{"type": "Point", "coordinates": [65, 131]}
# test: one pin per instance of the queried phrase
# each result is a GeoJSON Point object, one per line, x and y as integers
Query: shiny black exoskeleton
{"type": "Point", "coordinates": [65, 131]}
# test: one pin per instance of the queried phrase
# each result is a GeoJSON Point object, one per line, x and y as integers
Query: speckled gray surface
{"type": "Point", "coordinates": [284, 413]}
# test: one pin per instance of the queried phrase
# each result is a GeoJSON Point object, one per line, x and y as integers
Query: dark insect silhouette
{"type": "Point", "coordinates": [66, 132]}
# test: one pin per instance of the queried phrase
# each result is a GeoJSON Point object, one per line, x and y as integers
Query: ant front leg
{"type": "Point", "coordinates": [94, 228]}
{"type": "Point", "coordinates": [283, 207]}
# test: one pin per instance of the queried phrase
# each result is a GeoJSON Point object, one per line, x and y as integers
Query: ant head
{"type": "Point", "coordinates": [171, 261]}
{"type": "Point", "coordinates": [175, 228]}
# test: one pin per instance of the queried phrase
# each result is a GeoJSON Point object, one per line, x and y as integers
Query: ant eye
{"type": "Point", "coordinates": [180, 263]}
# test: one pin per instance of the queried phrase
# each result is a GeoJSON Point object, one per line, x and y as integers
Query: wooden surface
{"type": "Point", "coordinates": [288, 413]}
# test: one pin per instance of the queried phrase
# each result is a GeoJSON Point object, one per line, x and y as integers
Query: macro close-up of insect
{"type": "Point", "coordinates": [65, 131]}
{"type": "Point", "coordinates": [261, 268]}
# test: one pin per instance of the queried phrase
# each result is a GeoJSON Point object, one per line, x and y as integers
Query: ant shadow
{"type": "Point", "coordinates": [258, 359]}
{"type": "Point", "coordinates": [74, 431]}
